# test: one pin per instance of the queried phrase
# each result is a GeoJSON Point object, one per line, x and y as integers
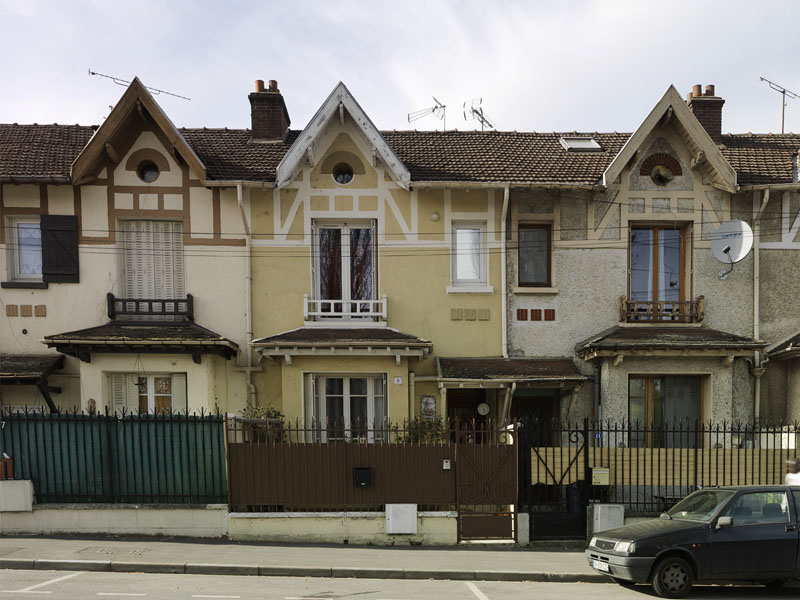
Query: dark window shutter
{"type": "Point", "coordinates": [60, 249]}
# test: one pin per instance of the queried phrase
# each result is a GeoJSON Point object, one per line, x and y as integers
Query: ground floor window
{"type": "Point", "coordinates": [144, 393]}
{"type": "Point", "coordinates": [347, 407]}
{"type": "Point", "coordinates": [663, 410]}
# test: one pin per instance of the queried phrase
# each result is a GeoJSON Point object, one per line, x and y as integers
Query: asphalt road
{"type": "Point", "coordinates": [58, 585]}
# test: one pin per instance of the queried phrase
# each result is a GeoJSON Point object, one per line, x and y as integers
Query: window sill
{"type": "Point", "coordinates": [535, 290]}
{"type": "Point", "coordinates": [25, 285]}
{"type": "Point", "coordinates": [470, 289]}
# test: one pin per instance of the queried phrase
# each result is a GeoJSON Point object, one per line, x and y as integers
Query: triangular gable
{"type": "Point", "coordinates": [136, 103]}
{"type": "Point", "coordinates": [340, 97]}
{"type": "Point", "coordinates": [703, 148]}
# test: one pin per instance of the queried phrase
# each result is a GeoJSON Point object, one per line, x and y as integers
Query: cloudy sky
{"type": "Point", "coordinates": [545, 65]}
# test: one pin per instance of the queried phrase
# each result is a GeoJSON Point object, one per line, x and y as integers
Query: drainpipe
{"type": "Point", "coordinates": [503, 274]}
{"type": "Point", "coordinates": [757, 369]}
{"type": "Point", "coordinates": [411, 381]}
{"type": "Point", "coordinates": [248, 311]}
{"type": "Point", "coordinates": [507, 402]}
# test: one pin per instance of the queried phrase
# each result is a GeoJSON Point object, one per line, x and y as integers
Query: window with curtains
{"type": "Point", "coordinates": [345, 268]}
{"type": "Point", "coordinates": [469, 258]}
{"type": "Point", "coordinates": [657, 274]}
{"type": "Point", "coordinates": [147, 393]}
{"type": "Point", "coordinates": [346, 407]}
{"type": "Point", "coordinates": [152, 259]}
{"type": "Point", "coordinates": [663, 410]}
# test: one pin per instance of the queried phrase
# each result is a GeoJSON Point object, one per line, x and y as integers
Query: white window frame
{"type": "Point", "coordinates": [177, 277]}
{"type": "Point", "coordinates": [14, 271]}
{"type": "Point", "coordinates": [131, 381]}
{"type": "Point", "coordinates": [316, 406]}
{"type": "Point", "coordinates": [344, 228]}
{"type": "Point", "coordinates": [481, 283]}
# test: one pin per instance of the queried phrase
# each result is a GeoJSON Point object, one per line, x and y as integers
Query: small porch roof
{"type": "Point", "coordinates": [666, 341]}
{"type": "Point", "coordinates": [788, 348]}
{"type": "Point", "coordinates": [321, 341]}
{"type": "Point", "coordinates": [160, 338]}
{"type": "Point", "coordinates": [499, 372]}
{"type": "Point", "coordinates": [32, 369]}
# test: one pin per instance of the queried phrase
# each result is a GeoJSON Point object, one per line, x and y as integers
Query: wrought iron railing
{"type": "Point", "coordinates": [150, 309]}
{"type": "Point", "coordinates": [674, 311]}
{"type": "Point", "coordinates": [345, 310]}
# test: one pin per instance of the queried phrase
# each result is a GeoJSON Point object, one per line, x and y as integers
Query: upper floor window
{"type": "Point", "coordinates": [26, 249]}
{"type": "Point", "coordinates": [42, 249]}
{"type": "Point", "coordinates": [535, 255]}
{"type": "Point", "coordinates": [152, 259]}
{"type": "Point", "coordinates": [345, 269]}
{"type": "Point", "coordinates": [469, 254]}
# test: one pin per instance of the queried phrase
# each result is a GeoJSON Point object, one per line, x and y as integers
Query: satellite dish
{"type": "Point", "coordinates": [732, 242]}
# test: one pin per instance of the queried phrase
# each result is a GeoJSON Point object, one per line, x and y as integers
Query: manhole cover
{"type": "Point", "coordinates": [6, 550]}
{"type": "Point", "coordinates": [105, 552]}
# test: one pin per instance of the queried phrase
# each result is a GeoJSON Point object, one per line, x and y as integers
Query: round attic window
{"type": "Point", "coordinates": [661, 175]}
{"type": "Point", "coordinates": [343, 173]}
{"type": "Point", "coordinates": [147, 171]}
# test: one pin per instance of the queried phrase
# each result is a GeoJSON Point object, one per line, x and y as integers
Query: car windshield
{"type": "Point", "coordinates": [702, 505]}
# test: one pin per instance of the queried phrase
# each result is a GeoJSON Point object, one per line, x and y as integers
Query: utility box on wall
{"type": "Point", "coordinates": [604, 516]}
{"type": "Point", "coordinates": [401, 518]}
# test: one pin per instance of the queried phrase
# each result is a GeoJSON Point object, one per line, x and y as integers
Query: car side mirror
{"type": "Point", "coordinates": [724, 522]}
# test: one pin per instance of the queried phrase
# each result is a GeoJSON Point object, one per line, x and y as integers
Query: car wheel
{"type": "Point", "coordinates": [673, 578]}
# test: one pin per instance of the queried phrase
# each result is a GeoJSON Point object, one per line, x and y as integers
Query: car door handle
{"type": "Point", "coordinates": [789, 528]}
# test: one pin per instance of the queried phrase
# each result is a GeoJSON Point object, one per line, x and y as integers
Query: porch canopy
{"type": "Point", "coordinates": [508, 373]}
{"type": "Point", "coordinates": [666, 341]}
{"type": "Point", "coordinates": [31, 369]}
{"type": "Point", "coordinates": [151, 338]}
{"type": "Point", "coordinates": [330, 341]}
{"type": "Point", "coordinates": [788, 348]}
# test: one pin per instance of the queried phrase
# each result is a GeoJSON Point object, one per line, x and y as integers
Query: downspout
{"type": "Point", "coordinates": [507, 402]}
{"type": "Point", "coordinates": [411, 381]}
{"type": "Point", "coordinates": [757, 369]}
{"type": "Point", "coordinates": [248, 284]}
{"type": "Point", "coordinates": [503, 273]}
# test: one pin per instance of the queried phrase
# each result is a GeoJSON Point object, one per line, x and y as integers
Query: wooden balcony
{"type": "Point", "coordinates": [150, 309]}
{"type": "Point", "coordinates": [359, 312]}
{"type": "Point", "coordinates": [635, 311]}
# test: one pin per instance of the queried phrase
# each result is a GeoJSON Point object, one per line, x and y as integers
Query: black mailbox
{"type": "Point", "coordinates": [362, 477]}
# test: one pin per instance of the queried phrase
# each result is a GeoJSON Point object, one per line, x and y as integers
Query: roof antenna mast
{"type": "Point", "coordinates": [784, 92]}
{"type": "Point", "coordinates": [473, 110]}
{"type": "Point", "coordinates": [154, 91]}
{"type": "Point", "coordinates": [438, 111]}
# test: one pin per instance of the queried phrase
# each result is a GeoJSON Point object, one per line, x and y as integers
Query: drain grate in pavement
{"type": "Point", "coordinates": [6, 550]}
{"type": "Point", "coordinates": [110, 552]}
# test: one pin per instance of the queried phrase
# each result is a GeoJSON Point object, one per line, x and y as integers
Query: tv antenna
{"type": "Point", "coordinates": [437, 110]}
{"type": "Point", "coordinates": [473, 111]}
{"type": "Point", "coordinates": [122, 82]}
{"type": "Point", "coordinates": [784, 92]}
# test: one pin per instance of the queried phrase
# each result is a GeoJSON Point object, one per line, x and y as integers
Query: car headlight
{"type": "Point", "coordinates": [627, 547]}
{"type": "Point", "coordinates": [593, 542]}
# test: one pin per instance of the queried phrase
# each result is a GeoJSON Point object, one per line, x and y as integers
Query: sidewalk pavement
{"type": "Point", "coordinates": [220, 557]}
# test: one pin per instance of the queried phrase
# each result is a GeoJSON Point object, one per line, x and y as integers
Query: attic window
{"type": "Point", "coordinates": [343, 173]}
{"type": "Point", "coordinates": [147, 171]}
{"type": "Point", "coordinates": [580, 144]}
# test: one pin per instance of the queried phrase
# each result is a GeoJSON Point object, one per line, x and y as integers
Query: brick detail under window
{"type": "Point", "coordinates": [522, 314]}
{"type": "Point", "coordinates": [25, 310]}
{"type": "Point", "coordinates": [536, 314]}
{"type": "Point", "coordinates": [12, 310]}
{"type": "Point", "coordinates": [549, 314]}
{"type": "Point", "coordinates": [40, 310]}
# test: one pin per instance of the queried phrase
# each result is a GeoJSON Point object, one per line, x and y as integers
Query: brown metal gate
{"type": "Point", "coordinates": [486, 483]}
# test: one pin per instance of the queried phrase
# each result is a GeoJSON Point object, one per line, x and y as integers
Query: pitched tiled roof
{"type": "Point", "coordinates": [509, 368]}
{"type": "Point", "coordinates": [479, 156]}
{"type": "Point", "coordinates": [339, 336]}
{"type": "Point", "coordinates": [40, 150]}
{"type": "Point", "coordinates": [670, 338]}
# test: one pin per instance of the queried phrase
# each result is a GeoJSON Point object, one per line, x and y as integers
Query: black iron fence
{"type": "Point", "coordinates": [565, 467]}
{"type": "Point", "coordinates": [166, 458]}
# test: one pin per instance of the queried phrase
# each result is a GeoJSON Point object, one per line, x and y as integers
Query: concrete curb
{"type": "Point", "coordinates": [297, 571]}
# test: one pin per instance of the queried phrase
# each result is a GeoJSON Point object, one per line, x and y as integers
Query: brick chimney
{"type": "Point", "coordinates": [708, 109]}
{"type": "Point", "coordinates": [268, 114]}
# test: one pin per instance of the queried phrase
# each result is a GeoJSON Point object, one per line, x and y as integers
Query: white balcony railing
{"type": "Point", "coordinates": [345, 310]}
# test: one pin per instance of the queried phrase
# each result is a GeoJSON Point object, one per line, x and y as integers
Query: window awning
{"type": "Point", "coordinates": [31, 369]}
{"type": "Point", "coordinates": [162, 338]}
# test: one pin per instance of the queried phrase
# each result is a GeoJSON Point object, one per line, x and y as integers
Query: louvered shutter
{"type": "Point", "coordinates": [124, 392]}
{"type": "Point", "coordinates": [179, 399]}
{"type": "Point", "coordinates": [60, 249]}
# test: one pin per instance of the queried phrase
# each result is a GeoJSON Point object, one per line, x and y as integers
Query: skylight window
{"type": "Point", "coordinates": [580, 144]}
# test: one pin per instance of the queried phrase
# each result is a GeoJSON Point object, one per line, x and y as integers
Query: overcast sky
{"type": "Point", "coordinates": [544, 65]}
